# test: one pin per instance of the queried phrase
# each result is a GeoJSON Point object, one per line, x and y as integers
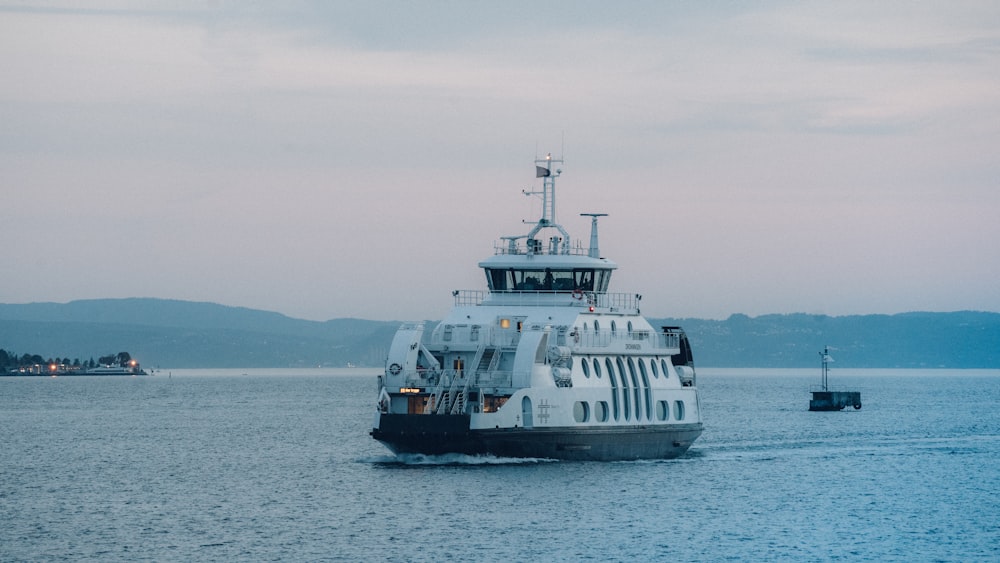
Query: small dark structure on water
{"type": "Point", "coordinates": [826, 400]}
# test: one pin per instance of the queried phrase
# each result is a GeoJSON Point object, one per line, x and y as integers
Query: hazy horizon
{"type": "Point", "coordinates": [334, 160]}
{"type": "Point", "coordinates": [444, 313]}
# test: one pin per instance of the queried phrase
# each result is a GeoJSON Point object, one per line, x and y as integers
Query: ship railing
{"type": "Point", "coordinates": [669, 342]}
{"type": "Point", "coordinates": [494, 379]}
{"type": "Point", "coordinates": [615, 302]}
{"type": "Point", "coordinates": [427, 379]}
{"type": "Point", "coordinates": [450, 391]}
{"type": "Point", "coordinates": [618, 302]}
{"type": "Point", "coordinates": [647, 339]}
{"type": "Point", "coordinates": [468, 297]}
{"type": "Point", "coordinates": [422, 378]}
{"type": "Point", "coordinates": [495, 337]}
{"type": "Point", "coordinates": [513, 246]}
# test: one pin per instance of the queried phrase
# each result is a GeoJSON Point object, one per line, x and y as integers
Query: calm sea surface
{"type": "Point", "coordinates": [278, 465]}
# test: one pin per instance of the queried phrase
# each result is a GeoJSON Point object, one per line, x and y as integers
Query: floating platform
{"type": "Point", "coordinates": [834, 400]}
{"type": "Point", "coordinates": [826, 400]}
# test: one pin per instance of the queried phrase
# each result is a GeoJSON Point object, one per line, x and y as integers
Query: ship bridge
{"type": "Point", "coordinates": [552, 266]}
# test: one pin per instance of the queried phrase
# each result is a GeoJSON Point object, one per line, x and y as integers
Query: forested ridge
{"type": "Point", "coordinates": [184, 334]}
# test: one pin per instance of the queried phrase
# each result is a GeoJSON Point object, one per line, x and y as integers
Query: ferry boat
{"type": "Point", "coordinates": [544, 363]}
{"type": "Point", "coordinates": [131, 367]}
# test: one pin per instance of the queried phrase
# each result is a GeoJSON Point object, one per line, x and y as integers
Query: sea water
{"type": "Point", "coordinates": [278, 465]}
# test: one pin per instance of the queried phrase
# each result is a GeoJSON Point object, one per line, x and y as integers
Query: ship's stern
{"type": "Point", "coordinates": [430, 434]}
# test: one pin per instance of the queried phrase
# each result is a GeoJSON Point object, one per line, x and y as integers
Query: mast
{"type": "Point", "coordinates": [548, 188]}
{"type": "Point", "coordinates": [548, 219]}
{"type": "Point", "coordinates": [826, 366]}
{"type": "Point", "coordinates": [594, 251]}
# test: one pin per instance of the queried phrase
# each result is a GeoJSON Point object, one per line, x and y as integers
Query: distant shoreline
{"type": "Point", "coordinates": [706, 373]}
{"type": "Point", "coordinates": [179, 333]}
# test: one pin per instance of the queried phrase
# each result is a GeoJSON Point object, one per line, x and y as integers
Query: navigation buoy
{"type": "Point", "coordinates": [826, 400]}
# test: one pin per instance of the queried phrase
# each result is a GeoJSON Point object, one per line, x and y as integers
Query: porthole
{"type": "Point", "coordinates": [597, 368]}
{"type": "Point", "coordinates": [662, 410]}
{"type": "Point", "coordinates": [630, 327]}
{"type": "Point", "coordinates": [614, 327]}
{"type": "Point", "coordinates": [602, 411]}
{"type": "Point", "coordinates": [586, 367]}
{"type": "Point", "coordinates": [666, 370]}
{"type": "Point", "coordinates": [597, 326]}
{"type": "Point", "coordinates": [679, 410]}
{"type": "Point", "coordinates": [581, 411]}
{"type": "Point", "coordinates": [652, 366]}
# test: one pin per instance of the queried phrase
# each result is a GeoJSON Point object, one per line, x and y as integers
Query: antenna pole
{"type": "Point", "coordinates": [548, 188]}
{"type": "Point", "coordinates": [594, 251]}
{"type": "Point", "coordinates": [548, 219]}
{"type": "Point", "coordinates": [826, 366]}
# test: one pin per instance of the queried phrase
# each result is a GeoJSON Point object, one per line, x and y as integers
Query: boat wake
{"type": "Point", "coordinates": [452, 460]}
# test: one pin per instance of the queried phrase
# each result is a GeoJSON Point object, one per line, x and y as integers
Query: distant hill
{"type": "Point", "coordinates": [185, 334]}
{"type": "Point", "coordinates": [964, 339]}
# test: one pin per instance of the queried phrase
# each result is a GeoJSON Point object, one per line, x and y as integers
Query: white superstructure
{"type": "Point", "coordinates": [546, 362]}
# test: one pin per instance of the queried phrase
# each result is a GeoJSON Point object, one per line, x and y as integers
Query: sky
{"type": "Point", "coordinates": [358, 159]}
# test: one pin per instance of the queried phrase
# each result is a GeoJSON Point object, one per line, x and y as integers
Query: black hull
{"type": "Point", "coordinates": [441, 434]}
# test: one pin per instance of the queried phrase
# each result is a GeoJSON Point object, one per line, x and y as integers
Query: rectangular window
{"type": "Point", "coordinates": [497, 280]}
{"type": "Point", "coordinates": [583, 279]}
{"type": "Point", "coordinates": [602, 281]}
{"type": "Point", "coordinates": [538, 280]}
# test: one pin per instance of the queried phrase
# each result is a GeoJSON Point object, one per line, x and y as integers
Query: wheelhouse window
{"type": "Point", "coordinates": [603, 278]}
{"type": "Point", "coordinates": [547, 279]}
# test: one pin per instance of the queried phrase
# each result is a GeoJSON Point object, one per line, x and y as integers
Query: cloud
{"type": "Point", "coordinates": [314, 158]}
